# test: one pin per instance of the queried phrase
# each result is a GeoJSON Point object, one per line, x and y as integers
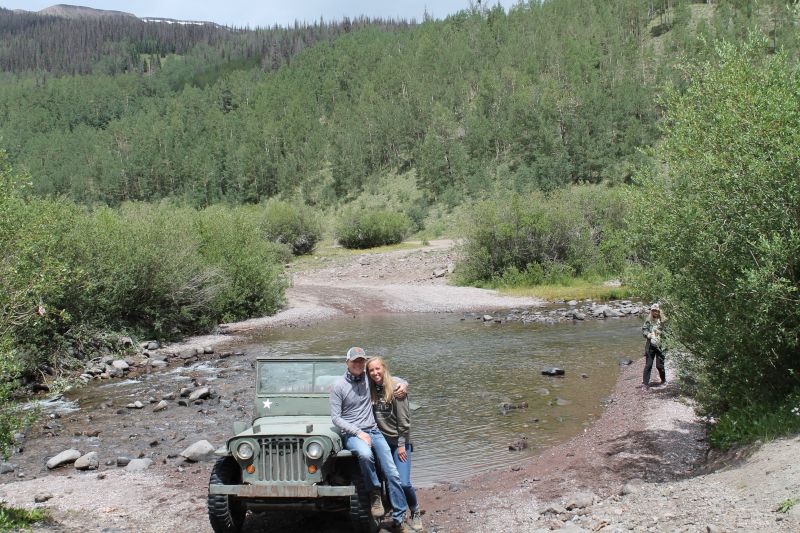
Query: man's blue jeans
{"type": "Point", "coordinates": [366, 459]}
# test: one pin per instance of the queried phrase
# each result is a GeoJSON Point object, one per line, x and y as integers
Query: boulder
{"type": "Point", "coordinates": [119, 364]}
{"type": "Point", "coordinates": [63, 458]}
{"type": "Point", "coordinates": [200, 394]}
{"type": "Point", "coordinates": [198, 451]}
{"type": "Point", "coordinates": [6, 468]}
{"type": "Point", "coordinates": [161, 406]}
{"type": "Point", "coordinates": [580, 500]}
{"type": "Point", "coordinates": [138, 465]}
{"type": "Point", "coordinates": [42, 497]}
{"type": "Point", "coordinates": [90, 461]}
{"type": "Point", "coordinates": [518, 444]}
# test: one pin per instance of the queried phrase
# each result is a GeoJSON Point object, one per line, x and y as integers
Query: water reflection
{"type": "Point", "coordinates": [461, 370]}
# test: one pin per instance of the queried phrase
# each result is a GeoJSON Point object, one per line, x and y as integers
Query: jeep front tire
{"type": "Point", "coordinates": [226, 513]}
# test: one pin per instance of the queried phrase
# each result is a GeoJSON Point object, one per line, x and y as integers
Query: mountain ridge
{"type": "Point", "coordinates": [70, 11]}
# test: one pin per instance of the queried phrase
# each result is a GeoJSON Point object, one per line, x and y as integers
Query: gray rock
{"type": "Point", "coordinates": [6, 468]}
{"type": "Point", "coordinates": [208, 350]}
{"type": "Point", "coordinates": [488, 318]}
{"type": "Point", "coordinates": [580, 500]}
{"type": "Point", "coordinates": [518, 444]}
{"type": "Point", "coordinates": [439, 272]}
{"type": "Point", "coordinates": [123, 461]}
{"type": "Point", "coordinates": [90, 461]}
{"type": "Point", "coordinates": [200, 394]}
{"type": "Point", "coordinates": [632, 487]}
{"type": "Point", "coordinates": [553, 371]}
{"type": "Point", "coordinates": [161, 406]}
{"type": "Point", "coordinates": [157, 363]}
{"type": "Point", "coordinates": [711, 528]}
{"type": "Point", "coordinates": [126, 342]}
{"type": "Point", "coordinates": [152, 345]}
{"type": "Point", "coordinates": [63, 458]}
{"type": "Point", "coordinates": [198, 451]}
{"type": "Point", "coordinates": [135, 405]}
{"type": "Point", "coordinates": [624, 361]}
{"type": "Point", "coordinates": [138, 465]}
{"type": "Point", "coordinates": [577, 315]}
{"type": "Point", "coordinates": [42, 497]}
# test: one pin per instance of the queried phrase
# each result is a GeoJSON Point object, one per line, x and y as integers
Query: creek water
{"type": "Point", "coordinates": [461, 370]}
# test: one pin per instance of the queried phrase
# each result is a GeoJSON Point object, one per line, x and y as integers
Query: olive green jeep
{"type": "Point", "coordinates": [292, 456]}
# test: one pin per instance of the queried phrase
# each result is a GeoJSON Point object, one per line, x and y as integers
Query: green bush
{"type": "Point", "coordinates": [293, 224]}
{"type": "Point", "coordinates": [73, 277]}
{"type": "Point", "coordinates": [366, 228]}
{"type": "Point", "coordinates": [538, 238]}
{"type": "Point", "coordinates": [232, 242]}
{"type": "Point", "coordinates": [719, 230]}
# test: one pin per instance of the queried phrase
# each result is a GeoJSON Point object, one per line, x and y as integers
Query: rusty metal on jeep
{"type": "Point", "coordinates": [291, 457]}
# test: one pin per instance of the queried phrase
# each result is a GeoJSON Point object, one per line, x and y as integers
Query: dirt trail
{"type": "Point", "coordinates": [649, 442]}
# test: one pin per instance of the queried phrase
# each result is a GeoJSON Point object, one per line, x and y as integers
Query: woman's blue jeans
{"type": "Point", "coordinates": [404, 469]}
{"type": "Point", "coordinates": [366, 459]}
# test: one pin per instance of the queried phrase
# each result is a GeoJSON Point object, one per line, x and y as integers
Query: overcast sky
{"type": "Point", "coordinates": [267, 12]}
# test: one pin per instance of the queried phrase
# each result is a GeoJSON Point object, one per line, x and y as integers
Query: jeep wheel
{"type": "Point", "coordinates": [225, 513]}
{"type": "Point", "coordinates": [360, 508]}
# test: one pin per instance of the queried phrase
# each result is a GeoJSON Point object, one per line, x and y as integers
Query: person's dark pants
{"type": "Point", "coordinates": [651, 354]}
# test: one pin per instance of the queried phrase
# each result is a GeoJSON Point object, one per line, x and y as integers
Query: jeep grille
{"type": "Point", "coordinates": [282, 459]}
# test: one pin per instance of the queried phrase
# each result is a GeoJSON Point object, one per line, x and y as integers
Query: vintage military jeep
{"type": "Point", "coordinates": [291, 456]}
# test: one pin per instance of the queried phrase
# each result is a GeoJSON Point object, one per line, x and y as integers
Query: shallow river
{"type": "Point", "coordinates": [462, 369]}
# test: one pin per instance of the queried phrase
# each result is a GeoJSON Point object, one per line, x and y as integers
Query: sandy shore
{"type": "Point", "coordinates": [648, 445]}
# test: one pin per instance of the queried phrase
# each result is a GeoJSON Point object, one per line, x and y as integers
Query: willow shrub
{"type": "Point", "coordinates": [72, 275]}
{"type": "Point", "coordinates": [232, 242]}
{"type": "Point", "coordinates": [367, 228]}
{"type": "Point", "coordinates": [294, 224]}
{"type": "Point", "coordinates": [544, 238]}
{"type": "Point", "coordinates": [720, 227]}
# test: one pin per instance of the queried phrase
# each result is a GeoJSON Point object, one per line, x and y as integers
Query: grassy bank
{"type": "Point", "coordinates": [579, 289]}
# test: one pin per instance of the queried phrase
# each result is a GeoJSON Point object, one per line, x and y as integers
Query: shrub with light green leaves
{"type": "Point", "coordinates": [366, 228]}
{"type": "Point", "coordinates": [296, 225]}
{"type": "Point", "coordinates": [718, 226]}
{"type": "Point", "coordinates": [544, 238]}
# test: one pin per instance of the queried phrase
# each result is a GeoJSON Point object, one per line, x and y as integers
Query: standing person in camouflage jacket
{"type": "Point", "coordinates": [653, 331]}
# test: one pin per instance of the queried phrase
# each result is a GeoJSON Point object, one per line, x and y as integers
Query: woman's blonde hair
{"type": "Point", "coordinates": [388, 382]}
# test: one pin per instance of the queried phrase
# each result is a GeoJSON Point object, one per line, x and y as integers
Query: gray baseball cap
{"type": "Point", "coordinates": [356, 353]}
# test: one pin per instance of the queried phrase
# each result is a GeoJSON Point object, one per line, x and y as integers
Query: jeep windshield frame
{"type": "Point", "coordinates": [298, 376]}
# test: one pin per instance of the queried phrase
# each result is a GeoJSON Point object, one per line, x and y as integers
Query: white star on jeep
{"type": "Point", "coordinates": [267, 403]}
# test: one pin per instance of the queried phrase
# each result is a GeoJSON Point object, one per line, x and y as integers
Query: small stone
{"type": "Point", "coordinates": [135, 405]}
{"type": "Point", "coordinates": [200, 394]}
{"type": "Point", "coordinates": [198, 451]}
{"type": "Point", "coordinates": [123, 461]}
{"type": "Point", "coordinates": [161, 406]}
{"type": "Point", "coordinates": [208, 350]}
{"type": "Point", "coordinates": [138, 465]}
{"type": "Point", "coordinates": [42, 497]}
{"type": "Point", "coordinates": [65, 457]}
{"type": "Point", "coordinates": [90, 461]}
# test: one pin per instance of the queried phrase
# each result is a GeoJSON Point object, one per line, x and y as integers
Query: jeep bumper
{"type": "Point", "coordinates": [282, 491]}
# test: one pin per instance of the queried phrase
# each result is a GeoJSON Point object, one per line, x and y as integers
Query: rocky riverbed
{"type": "Point", "coordinates": [642, 466]}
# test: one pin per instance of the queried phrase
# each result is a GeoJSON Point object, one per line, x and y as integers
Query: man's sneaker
{"type": "Point", "coordinates": [376, 504]}
{"type": "Point", "coordinates": [416, 521]}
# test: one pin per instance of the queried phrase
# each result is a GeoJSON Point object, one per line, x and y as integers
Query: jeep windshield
{"type": "Point", "coordinates": [289, 377]}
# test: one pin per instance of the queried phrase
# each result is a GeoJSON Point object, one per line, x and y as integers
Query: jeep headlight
{"type": "Point", "coordinates": [244, 451]}
{"type": "Point", "coordinates": [314, 450]}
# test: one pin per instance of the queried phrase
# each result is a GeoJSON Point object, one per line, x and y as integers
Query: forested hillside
{"type": "Point", "coordinates": [546, 95]}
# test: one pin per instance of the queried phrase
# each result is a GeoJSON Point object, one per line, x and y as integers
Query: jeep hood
{"type": "Point", "coordinates": [307, 426]}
